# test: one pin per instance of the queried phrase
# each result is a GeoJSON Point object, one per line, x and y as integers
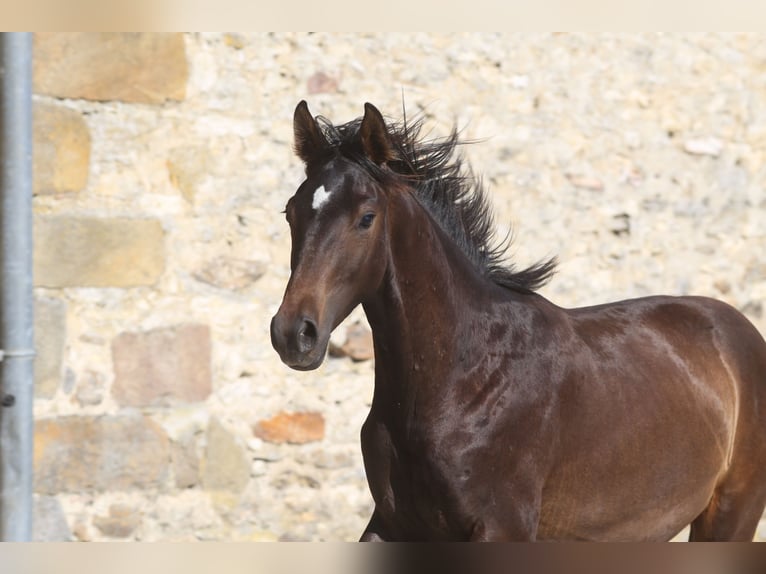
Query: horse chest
{"type": "Point", "coordinates": [412, 484]}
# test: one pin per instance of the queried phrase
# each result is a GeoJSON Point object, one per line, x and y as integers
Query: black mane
{"type": "Point", "coordinates": [455, 198]}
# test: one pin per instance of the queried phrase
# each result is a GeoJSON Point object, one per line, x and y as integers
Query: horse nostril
{"type": "Point", "coordinates": [307, 336]}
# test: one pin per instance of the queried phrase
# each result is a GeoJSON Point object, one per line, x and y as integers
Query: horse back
{"type": "Point", "coordinates": [695, 334]}
{"type": "Point", "coordinates": [697, 351]}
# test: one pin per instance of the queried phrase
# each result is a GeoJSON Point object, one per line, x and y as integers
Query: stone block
{"type": "Point", "coordinates": [81, 454]}
{"type": "Point", "coordinates": [187, 169]}
{"type": "Point", "coordinates": [230, 273]}
{"type": "Point", "coordinates": [50, 340]}
{"type": "Point", "coordinates": [294, 428]}
{"type": "Point", "coordinates": [185, 463]}
{"type": "Point", "coordinates": [162, 367]}
{"type": "Point", "coordinates": [90, 388]}
{"type": "Point", "coordinates": [225, 466]}
{"type": "Point", "coordinates": [129, 67]}
{"type": "Point", "coordinates": [61, 151]}
{"type": "Point", "coordinates": [121, 521]}
{"type": "Point", "coordinates": [97, 252]}
{"type": "Point", "coordinates": [358, 345]}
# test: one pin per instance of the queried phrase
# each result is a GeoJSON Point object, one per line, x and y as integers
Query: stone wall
{"type": "Point", "coordinates": [162, 163]}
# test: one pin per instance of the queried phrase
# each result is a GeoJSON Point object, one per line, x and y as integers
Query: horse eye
{"type": "Point", "coordinates": [366, 221]}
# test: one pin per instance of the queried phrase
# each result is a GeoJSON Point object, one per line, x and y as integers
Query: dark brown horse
{"type": "Point", "coordinates": [496, 414]}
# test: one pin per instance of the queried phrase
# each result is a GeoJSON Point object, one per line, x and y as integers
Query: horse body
{"type": "Point", "coordinates": [594, 441]}
{"type": "Point", "coordinates": [648, 428]}
{"type": "Point", "coordinates": [498, 415]}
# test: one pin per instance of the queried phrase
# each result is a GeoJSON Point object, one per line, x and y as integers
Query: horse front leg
{"type": "Point", "coordinates": [374, 530]}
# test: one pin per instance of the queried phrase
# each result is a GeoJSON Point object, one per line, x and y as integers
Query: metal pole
{"type": "Point", "coordinates": [16, 295]}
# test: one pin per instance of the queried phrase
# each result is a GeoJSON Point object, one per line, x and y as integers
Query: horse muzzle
{"type": "Point", "coordinates": [297, 341]}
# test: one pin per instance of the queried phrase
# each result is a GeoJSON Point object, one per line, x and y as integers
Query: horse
{"type": "Point", "coordinates": [496, 414]}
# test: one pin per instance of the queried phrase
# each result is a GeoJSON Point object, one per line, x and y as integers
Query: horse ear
{"type": "Point", "coordinates": [376, 142]}
{"type": "Point", "coordinates": [309, 139]}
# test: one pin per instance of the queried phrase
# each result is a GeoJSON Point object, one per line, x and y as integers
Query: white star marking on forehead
{"type": "Point", "coordinates": [320, 197]}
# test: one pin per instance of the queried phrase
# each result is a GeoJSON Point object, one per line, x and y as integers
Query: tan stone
{"type": "Point", "coordinates": [81, 532]}
{"type": "Point", "coordinates": [187, 167]}
{"type": "Point", "coordinates": [185, 463]}
{"type": "Point", "coordinates": [90, 388]}
{"type": "Point", "coordinates": [161, 367]}
{"type": "Point", "coordinates": [121, 521]}
{"type": "Point", "coordinates": [50, 339]}
{"type": "Point", "coordinates": [86, 454]}
{"type": "Point", "coordinates": [358, 345]}
{"type": "Point", "coordinates": [225, 466]}
{"type": "Point", "coordinates": [61, 151]}
{"type": "Point", "coordinates": [294, 428]}
{"type": "Point", "coordinates": [95, 252]}
{"type": "Point", "coordinates": [129, 67]}
{"type": "Point", "coordinates": [230, 273]}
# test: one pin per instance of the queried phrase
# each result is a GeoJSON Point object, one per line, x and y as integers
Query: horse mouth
{"type": "Point", "coordinates": [302, 361]}
{"type": "Point", "coordinates": [305, 363]}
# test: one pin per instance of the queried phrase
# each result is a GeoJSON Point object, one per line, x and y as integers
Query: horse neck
{"type": "Point", "coordinates": [423, 304]}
